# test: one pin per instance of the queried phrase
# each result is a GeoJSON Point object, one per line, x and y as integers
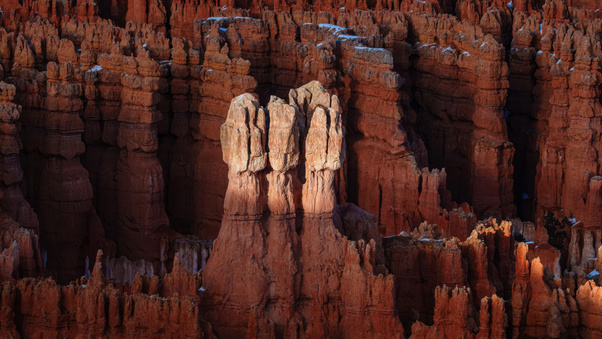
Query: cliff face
{"type": "Point", "coordinates": [13, 202]}
{"type": "Point", "coordinates": [296, 136]}
{"type": "Point", "coordinates": [461, 85]}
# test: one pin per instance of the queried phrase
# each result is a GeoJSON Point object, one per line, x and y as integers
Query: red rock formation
{"type": "Point", "coordinates": [461, 88]}
{"type": "Point", "coordinates": [12, 202]}
{"type": "Point", "coordinates": [539, 309]}
{"type": "Point", "coordinates": [147, 11]}
{"type": "Point", "coordinates": [221, 79]}
{"type": "Point", "coordinates": [183, 15]}
{"type": "Point", "coordinates": [566, 173]}
{"type": "Point", "coordinates": [550, 177]}
{"type": "Point", "coordinates": [57, 184]}
{"type": "Point", "coordinates": [103, 86]}
{"type": "Point", "coordinates": [419, 267]}
{"type": "Point", "coordinates": [140, 213]}
{"type": "Point", "coordinates": [397, 145]}
{"type": "Point", "coordinates": [181, 158]}
{"type": "Point", "coordinates": [422, 261]}
{"type": "Point", "coordinates": [455, 316]}
{"type": "Point", "coordinates": [285, 259]}
{"type": "Point", "coordinates": [589, 303]}
{"type": "Point", "coordinates": [522, 70]}
{"type": "Point", "coordinates": [42, 307]}
{"type": "Point", "coordinates": [20, 256]}
{"type": "Point", "coordinates": [583, 247]}
{"type": "Point", "coordinates": [86, 9]}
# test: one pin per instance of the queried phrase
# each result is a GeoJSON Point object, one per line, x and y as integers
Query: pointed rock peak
{"type": "Point", "coordinates": [98, 276]}
{"type": "Point", "coordinates": [176, 261]}
{"type": "Point", "coordinates": [243, 135]}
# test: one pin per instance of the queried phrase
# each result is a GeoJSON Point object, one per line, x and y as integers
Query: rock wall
{"type": "Point", "coordinates": [13, 201]}
{"type": "Point", "coordinates": [461, 84]}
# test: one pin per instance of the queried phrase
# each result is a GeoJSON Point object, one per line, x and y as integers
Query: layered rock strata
{"type": "Point", "coordinates": [13, 201]}
{"type": "Point", "coordinates": [461, 84]}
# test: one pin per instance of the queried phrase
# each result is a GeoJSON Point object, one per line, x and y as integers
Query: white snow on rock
{"type": "Point", "coordinates": [96, 68]}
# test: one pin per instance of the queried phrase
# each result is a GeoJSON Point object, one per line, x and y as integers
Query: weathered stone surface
{"type": "Point", "coordinates": [95, 306]}
{"type": "Point", "coordinates": [306, 298]}
{"type": "Point", "coordinates": [13, 201]}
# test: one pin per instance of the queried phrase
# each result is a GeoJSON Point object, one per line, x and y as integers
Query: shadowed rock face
{"type": "Point", "coordinates": [295, 135]}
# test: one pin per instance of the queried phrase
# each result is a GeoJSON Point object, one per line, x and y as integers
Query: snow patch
{"type": "Point", "coordinates": [348, 37]}
{"type": "Point", "coordinates": [216, 18]}
{"type": "Point", "coordinates": [593, 274]}
{"type": "Point", "coordinates": [332, 27]}
{"type": "Point", "coordinates": [371, 48]}
{"type": "Point", "coordinates": [402, 234]}
{"type": "Point", "coordinates": [96, 68]}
